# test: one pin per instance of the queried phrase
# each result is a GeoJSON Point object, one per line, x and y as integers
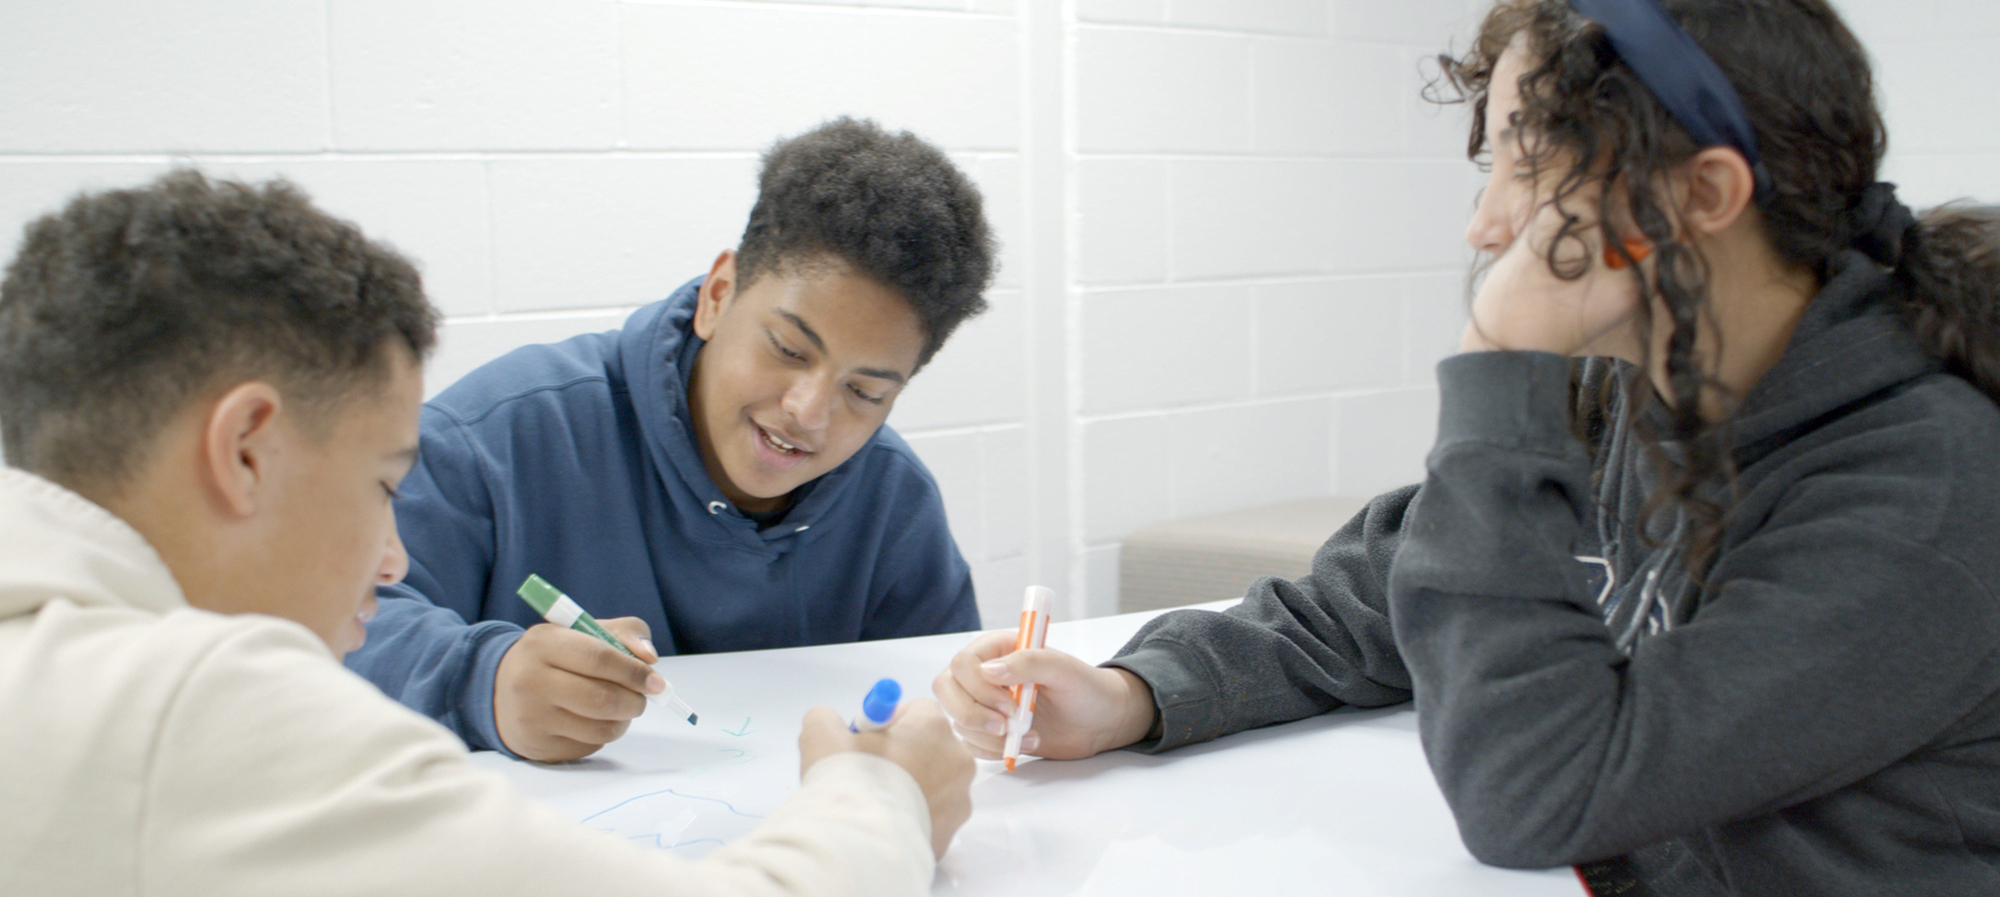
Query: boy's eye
{"type": "Point", "coordinates": [863, 396]}
{"type": "Point", "coordinates": [781, 346]}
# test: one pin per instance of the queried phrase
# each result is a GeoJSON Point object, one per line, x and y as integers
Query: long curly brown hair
{"type": "Point", "coordinates": [1805, 84]}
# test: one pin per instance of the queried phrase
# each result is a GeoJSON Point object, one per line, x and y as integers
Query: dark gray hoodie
{"type": "Point", "coordinates": [1820, 716]}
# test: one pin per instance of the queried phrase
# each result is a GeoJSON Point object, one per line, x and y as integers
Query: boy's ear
{"type": "Point", "coordinates": [1719, 186]}
{"type": "Point", "coordinates": [716, 291]}
{"type": "Point", "coordinates": [239, 442]}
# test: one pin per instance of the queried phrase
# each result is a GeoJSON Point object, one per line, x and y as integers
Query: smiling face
{"type": "Point", "coordinates": [799, 370]}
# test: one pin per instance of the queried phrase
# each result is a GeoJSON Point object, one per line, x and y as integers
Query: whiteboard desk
{"type": "Point", "coordinates": [1337, 804]}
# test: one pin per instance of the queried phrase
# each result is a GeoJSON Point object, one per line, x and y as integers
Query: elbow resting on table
{"type": "Point", "coordinates": [1517, 851]}
{"type": "Point", "coordinates": [1529, 835]}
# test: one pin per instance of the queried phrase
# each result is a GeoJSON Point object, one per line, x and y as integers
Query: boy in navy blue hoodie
{"type": "Point", "coordinates": [715, 476]}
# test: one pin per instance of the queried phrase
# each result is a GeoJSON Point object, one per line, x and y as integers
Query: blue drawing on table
{"type": "Point", "coordinates": [674, 820]}
{"type": "Point", "coordinates": [701, 805]}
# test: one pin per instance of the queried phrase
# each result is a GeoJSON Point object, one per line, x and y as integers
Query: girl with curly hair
{"type": "Point", "coordinates": [1700, 590]}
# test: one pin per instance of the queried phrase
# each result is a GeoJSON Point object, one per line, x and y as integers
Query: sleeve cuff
{"type": "Point", "coordinates": [476, 723]}
{"type": "Point", "coordinates": [1181, 696]}
{"type": "Point", "coordinates": [1517, 399]}
{"type": "Point", "coordinates": [881, 773]}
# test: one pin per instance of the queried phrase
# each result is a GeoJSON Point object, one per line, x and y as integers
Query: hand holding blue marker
{"type": "Point", "coordinates": [560, 609]}
{"type": "Point", "coordinates": [878, 707]}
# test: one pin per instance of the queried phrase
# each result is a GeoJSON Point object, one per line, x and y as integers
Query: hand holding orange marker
{"type": "Point", "coordinates": [1635, 247]}
{"type": "Point", "coordinates": [1034, 632]}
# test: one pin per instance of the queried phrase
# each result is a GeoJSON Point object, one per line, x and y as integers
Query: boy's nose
{"type": "Point", "coordinates": [395, 559]}
{"type": "Point", "coordinates": [810, 402]}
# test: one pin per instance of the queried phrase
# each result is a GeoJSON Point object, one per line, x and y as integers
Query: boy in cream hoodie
{"type": "Point", "coordinates": [209, 393]}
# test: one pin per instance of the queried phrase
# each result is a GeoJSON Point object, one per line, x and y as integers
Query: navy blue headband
{"type": "Point", "coordinates": [1682, 77]}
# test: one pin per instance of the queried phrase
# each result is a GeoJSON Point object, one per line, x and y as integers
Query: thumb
{"type": "Point", "coordinates": [822, 723]}
{"type": "Point", "coordinates": [822, 732]}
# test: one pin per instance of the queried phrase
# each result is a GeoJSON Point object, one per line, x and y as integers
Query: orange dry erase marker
{"type": "Point", "coordinates": [1634, 246]}
{"type": "Point", "coordinates": [1034, 633]}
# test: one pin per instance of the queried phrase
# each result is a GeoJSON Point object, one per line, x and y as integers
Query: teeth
{"type": "Point", "coordinates": [777, 443]}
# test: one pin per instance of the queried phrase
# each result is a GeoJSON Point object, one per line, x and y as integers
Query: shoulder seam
{"type": "Point", "coordinates": [495, 405]}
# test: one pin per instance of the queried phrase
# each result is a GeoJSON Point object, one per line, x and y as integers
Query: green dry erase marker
{"type": "Point", "coordinates": [558, 608]}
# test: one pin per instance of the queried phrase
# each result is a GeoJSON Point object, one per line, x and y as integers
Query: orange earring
{"type": "Point", "coordinates": [1636, 248]}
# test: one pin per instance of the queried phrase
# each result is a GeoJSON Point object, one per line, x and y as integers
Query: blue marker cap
{"type": "Point", "coordinates": [881, 702]}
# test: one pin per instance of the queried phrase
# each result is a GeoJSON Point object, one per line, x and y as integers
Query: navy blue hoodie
{"type": "Point", "coordinates": [576, 460]}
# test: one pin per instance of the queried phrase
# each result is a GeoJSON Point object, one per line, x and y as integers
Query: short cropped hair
{"type": "Point", "coordinates": [126, 306]}
{"type": "Point", "coordinates": [891, 206]}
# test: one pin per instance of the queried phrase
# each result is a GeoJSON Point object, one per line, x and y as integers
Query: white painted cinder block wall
{"type": "Point", "coordinates": [1231, 227]}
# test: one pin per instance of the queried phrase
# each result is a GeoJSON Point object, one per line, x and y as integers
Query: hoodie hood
{"type": "Point", "coordinates": [1851, 345]}
{"type": "Point", "coordinates": [657, 351]}
{"type": "Point", "coordinates": [55, 544]}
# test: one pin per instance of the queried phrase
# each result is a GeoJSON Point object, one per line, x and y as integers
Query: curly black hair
{"type": "Point", "coordinates": [127, 305]}
{"type": "Point", "coordinates": [891, 206]}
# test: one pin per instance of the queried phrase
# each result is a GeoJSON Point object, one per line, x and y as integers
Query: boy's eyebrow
{"type": "Point", "coordinates": [804, 328]}
{"type": "Point", "coordinates": [813, 336]}
{"type": "Point", "coordinates": [882, 374]}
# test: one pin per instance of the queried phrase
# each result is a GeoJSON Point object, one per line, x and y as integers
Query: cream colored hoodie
{"type": "Point", "coordinates": [148, 748]}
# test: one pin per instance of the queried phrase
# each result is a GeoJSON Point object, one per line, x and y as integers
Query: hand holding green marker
{"type": "Point", "coordinates": [558, 608]}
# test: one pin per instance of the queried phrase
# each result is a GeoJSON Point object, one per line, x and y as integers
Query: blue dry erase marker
{"type": "Point", "coordinates": [877, 707]}
{"type": "Point", "coordinates": [560, 609]}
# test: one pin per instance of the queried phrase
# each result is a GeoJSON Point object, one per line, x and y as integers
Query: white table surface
{"type": "Point", "coordinates": [1337, 804]}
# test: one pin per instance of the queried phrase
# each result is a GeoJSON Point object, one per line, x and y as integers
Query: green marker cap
{"type": "Point", "coordinates": [539, 594]}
